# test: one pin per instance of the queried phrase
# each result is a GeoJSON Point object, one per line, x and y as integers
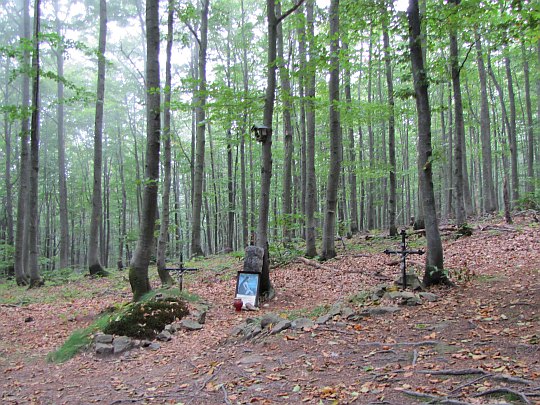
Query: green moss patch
{"type": "Point", "coordinates": [144, 320]}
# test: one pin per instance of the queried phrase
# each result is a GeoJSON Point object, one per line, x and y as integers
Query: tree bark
{"type": "Point", "coordinates": [434, 272]}
{"type": "Point", "coordinates": [196, 245]}
{"type": "Point", "coordinates": [94, 264]}
{"type": "Point", "coordinates": [328, 250]}
{"type": "Point", "coordinates": [391, 131]}
{"type": "Point", "coordinates": [512, 133]}
{"type": "Point", "coordinates": [138, 272]}
{"type": "Point", "coordinates": [163, 239]}
{"type": "Point", "coordinates": [490, 201]}
{"type": "Point", "coordinates": [311, 183]}
{"type": "Point", "coordinates": [21, 236]}
{"type": "Point", "coordinates": [62, 184]}
{"type": "Point", "coordinates": [33, 208]}
{"type": "Point", "coordinates": [287, 135]}
{"type": "Point", "coordinates": [459, 125]}
{"type": "Point", "coordinates": [530, 125]}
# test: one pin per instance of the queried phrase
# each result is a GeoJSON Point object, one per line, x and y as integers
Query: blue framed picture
{"type": "Point", "coordinates": [247, 287]}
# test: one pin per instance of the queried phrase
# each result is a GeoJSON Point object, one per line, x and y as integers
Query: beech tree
{"type": "Point", "coordinates": [94, 264]}
{"type": "Point", "coordinates": [138, 270]}
{"type": "Point", "coordinates": [434, 272]}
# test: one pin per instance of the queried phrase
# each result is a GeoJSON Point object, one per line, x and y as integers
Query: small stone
{"type": "Point", "coordinates": [321, 320]}
{"type": "Point", "coordinates": [200, 316]}
{"type": "Point", "coordinates": [251, 359]}
{"type": "Point", "coordinates": [429, 296]}
{"type": "Point", "coordinates": [413, 282]}
{"type": "Point", "coordinates": [280, 327]}
{"type": "Point", "coordinates": [190, 325]}
{"type": "Point", "coordinates": [103, 338]}
{"type": "Point", "coordinates": [251, 331]}
{"type": "Point", "coordinates": [237, 330]}
{"type": "Point", "coordinates": [121, 344]}
{"type": "Point", "coordinates": [145, 343]}
{"type": "Point", "coordinates": [250, 307]}
{"type": "Point", "coordinates": [170, 328]}
{"type": "Point", "coordinates": [335, 309]}
{"type": "Point", "coordinates": [164, 336]}
{"type": "Point", "coordinates": [346, 312]}
{"type": "Point", "coordinates": [270, 319]}
{"type": "Point", "coordinates": [104, 349]}
{"type": "Point", "coordinates": [374, 311]}
{"type": "Point", "coordinates": [302, 324]}
{"type": "Point", "coordinates": [154, 346]}
{"type": "Point", "coordinates": [379, 291]}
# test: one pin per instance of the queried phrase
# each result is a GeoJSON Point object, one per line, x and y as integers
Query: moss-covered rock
{"type": "Point", "coordinates": [144, 320]}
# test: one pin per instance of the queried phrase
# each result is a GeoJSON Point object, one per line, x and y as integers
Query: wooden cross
{"type": "Point", "coordinates": [404, 252]}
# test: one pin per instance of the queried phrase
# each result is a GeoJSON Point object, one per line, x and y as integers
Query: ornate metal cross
{"type": "Point", "coordinates": [404, 252]}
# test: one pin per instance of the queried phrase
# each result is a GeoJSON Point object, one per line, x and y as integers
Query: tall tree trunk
{"type": "Point", "coordinates": [370, 209]}
{"type": "Point", "coordinates": [138, 272]}
{"type": "Point", "coordinates": [311, 185]}
{"type": "Point", "coordinates": [512, 133]}
{"type": "Point", "coordinates": [530, 125]}
{"type": "Point", "coordinates": [161, 254]}
{"type": "Point", "coordinates": [328, 247]}
{"type": "Point", "coordinates": [434, 272]}
{"type": "Point", "coordinates": [352, 151]}
{"type": "Point", "coordinates": [267, 290]}
{"type": "Point", "coordinates": [21, 237]}
{"type": "Point", "coordinates": [94, 264]}
{"type": "Point", "coordinates": [123, 227]}
{"type": "Point", "coordinates": [459, 124]}
{"type": "Point", "coordinates": [301, 32]}
{"type": "Point", "coordinates": [33, 209]}
{"type": "Point", "coordinates": [391, 132]}
{"type": "Point", "coordinates": [287, 135]}
{"type": "Point", "coordinates": [490, 201]}
{"type": "Point", "coordinates": [62, 184]}
{"type": "Point", "coordinates": [245, 83]}
{"type": "Point", "coordinates": [7, 179]}
{"type": "Point", "coordinates": [196, 246]}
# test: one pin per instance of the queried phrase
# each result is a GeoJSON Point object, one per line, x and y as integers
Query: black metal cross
{"type": "Point", "coordinates": [180, 270]}
{"type": "Point", "coordinates": [404, 252]}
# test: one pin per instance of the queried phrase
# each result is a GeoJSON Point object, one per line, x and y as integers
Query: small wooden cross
{"type": "Point", "coordinates": [404, 252]}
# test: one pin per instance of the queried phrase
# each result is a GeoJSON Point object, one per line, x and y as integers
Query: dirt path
{"type": "Point", "coordinates": [482, 335]}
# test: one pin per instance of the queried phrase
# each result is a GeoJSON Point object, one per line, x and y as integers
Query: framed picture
{"type": "Point", "coordinates": [247, 287]}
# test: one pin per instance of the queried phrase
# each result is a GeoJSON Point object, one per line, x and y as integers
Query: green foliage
{"type": "Point", "coordinates": [144, 320]}
{"type": "Point", "coordinates": [79, 340]}
{"type": "Point", "coordinates": [314, 312]}
{"type": "Point", "coordinates": [61, 276]}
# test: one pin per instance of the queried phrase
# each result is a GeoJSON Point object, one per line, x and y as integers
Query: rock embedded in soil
{"type": "Point", "coordinates": [122, 344]}
{"type": "Point", "coordinates": [104, 349]}
{"type": "Point", "coordinates": [302, 324]}
{"type": "Point", "coordinates": [103, 338]}
{"type": "Point", "coordinates": [164, 336]}
{"type": "Point", "coordinates": [280, 327]}
{"type": "Point", "coordinates": [190, 325]}
{"type": "Point", "coordinates": [270, 319]}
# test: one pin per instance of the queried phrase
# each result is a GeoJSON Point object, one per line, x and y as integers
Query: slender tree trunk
{"type": "Point", "coordinates": [530, 125]}
{"type": "Point", "coordinates": [163, 239]}
{"type": "Point", "coordinates": [7, 179]}
{"type": "Point", "coordinates": [352, 152]}
{"type": "Point", "coordinates": [196, 246]}
{"type": "Point", "coordinates": [328, 250]}
{"type": "Point", "coordinates": [434, 272]}
{"type": "Point", "coordinates": [93, 244]}
{"type": "Point", "coordinates": [138, 272]}
{"type": "Point", "coordinates": [245, 83]}
{"type": "Point", "coordinates": [62, 184]}
{"type": "Point", "coordinates": [459, 125]}
{"type": "Point", "coordinates": [123, 227]}
{"type": "Point", "coordinates": [490, 201]}
{"type": "Point", "coordinates": [512, 133]}
{"type": "Point", "coordinates": [311, 186]}
{"type": "Point", "coordinates": [33, 208]}
{"type": "Point", "coordinates": [391, 133]}
{"type": "Point", "coordinates": [21, 237]}
{"type": "Point", "coordinates": [370, 209]}
{"type": "Point", "coordinates": [301, 32]}
{"type": "Point", "coordinates": [288, 135]}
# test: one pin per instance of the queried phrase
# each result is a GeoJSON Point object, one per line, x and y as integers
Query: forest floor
{"type": "Point", "coordinates": [478, 344]}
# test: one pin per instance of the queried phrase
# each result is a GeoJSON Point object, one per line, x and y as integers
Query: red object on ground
{"type": "Point", "coordinates": [237, 303]}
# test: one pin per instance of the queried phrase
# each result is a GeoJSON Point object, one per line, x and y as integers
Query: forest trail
{"type": "Point", "coordinates": [478, 344]}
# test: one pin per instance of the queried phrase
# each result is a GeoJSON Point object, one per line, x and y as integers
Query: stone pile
{"type": "Point", "coordinates": [105, 345]}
